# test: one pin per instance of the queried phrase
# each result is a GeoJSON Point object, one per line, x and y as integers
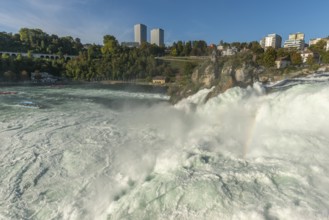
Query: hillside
{"type": "Point", "coordinates": [238, 70]}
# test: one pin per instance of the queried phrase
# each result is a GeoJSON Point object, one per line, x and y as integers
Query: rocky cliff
{"type": "Point", "coordinates": [227, 72]}
{"type": "Point", "coordinates": [223, 73]}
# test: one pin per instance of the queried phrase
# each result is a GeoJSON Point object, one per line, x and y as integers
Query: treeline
{"type": "Point", "coordinates": [93, 62]}
{"type": "Point", "coordinates": [320, 55]}
{"type": "Point", "coordinates": [37, 41]}
{"type": "Point", "coordinates": [189, 48]}
{"type": "Point", "coordinates": [20, 68]}
{"type": "Point", "coordinates": [114, 62]}
{"type": "Point", "coordinates": [200, 47]}
{"type": "Point", "coordinates": [262, 57]}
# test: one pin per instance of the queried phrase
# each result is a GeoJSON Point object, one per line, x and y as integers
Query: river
{"type": "Point", "coordinates": [118, 152]}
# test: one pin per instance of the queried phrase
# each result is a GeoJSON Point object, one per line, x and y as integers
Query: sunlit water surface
{"type": "Point", "coordinates": [108, 152]}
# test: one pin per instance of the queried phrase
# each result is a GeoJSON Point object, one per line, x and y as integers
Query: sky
{"type": "Point", "coordinates": [209, 20]}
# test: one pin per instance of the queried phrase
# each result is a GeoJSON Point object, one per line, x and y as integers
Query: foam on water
{"type": "Point", "coordinates": [244, 154]}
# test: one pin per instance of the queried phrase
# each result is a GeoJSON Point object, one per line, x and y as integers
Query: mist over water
{"type": "Point", "coordinates": [106, 153]}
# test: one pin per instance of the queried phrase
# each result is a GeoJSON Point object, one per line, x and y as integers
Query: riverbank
{"type": "Point", "coordinates": [103, 82]}
{"type": "Point", "coordinates": [175, 90]}
{"type": "Point", "coordinates": [115, 82]}
{"type": "Point", "coordinates": [10, 88]}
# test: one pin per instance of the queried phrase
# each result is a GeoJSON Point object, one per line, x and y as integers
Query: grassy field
{"type": "Point", "coordinates": [179, 63]}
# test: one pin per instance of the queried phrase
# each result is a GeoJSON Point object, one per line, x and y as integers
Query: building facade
{"type": "Point", "coordinates": [159, 80]}
{"type": "Point", "coordinates": [271, 40]}
{"type": "Point", "coordinates": [140, 33]}
{"type": "Point", "coordinates": [296, 40]}
{"type": "Point", "coordinates": [297, 36]}
{"type": "Point", "coordinates": [314, 41]}
{"type": "Point", "coordinates": [157, 36]}
{"type": "Point", "coordinates": [307, 54]}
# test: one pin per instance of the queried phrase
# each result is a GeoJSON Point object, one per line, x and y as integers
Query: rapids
{"type": "Point", "coordinates": [88, 152]}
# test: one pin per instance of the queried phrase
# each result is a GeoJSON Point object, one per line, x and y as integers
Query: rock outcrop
{"type": "Point", "coordinates": [227, 72]}
{"type": "Point", "coordinates": [225, 76]}
{"type": "Point", "coordinates": [222, 75]}
{"type": "Point", "coordinates": [205, 75]}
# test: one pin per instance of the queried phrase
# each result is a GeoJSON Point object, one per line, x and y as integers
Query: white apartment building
{"type": "Point", "coordinates": [297, 36]}
{"type": "Point", "coordinates": [314, 41]}
{"type": "Point", "coordinates": [157, 36]}
{"type": "Point", "coordinates": [140, 33]}
{"type": "Point", "coordinates": [297, 44]}
{"type": "Point", "coordinates": [271, 40]}
{"type": "Point", "coordinates": [296, 41]}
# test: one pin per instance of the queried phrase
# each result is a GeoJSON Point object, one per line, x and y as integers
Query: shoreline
{"type": "Point", "coordinates": [264, 79]}
{"type": "Point", "coordinates": [116, 82]}
{"type": "Point", "coordinates": [102, 82]}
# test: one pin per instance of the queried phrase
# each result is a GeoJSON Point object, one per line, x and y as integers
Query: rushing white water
{"type": "Point", "coordinates": [98, 153]}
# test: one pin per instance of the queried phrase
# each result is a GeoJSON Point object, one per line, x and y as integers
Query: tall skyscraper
{"type": "Point", "coordinates": [157, 36]}
{"type": "Point", "coordinates": [140, 33]}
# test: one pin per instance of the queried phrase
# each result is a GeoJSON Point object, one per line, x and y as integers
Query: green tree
{"type": "Point", "coordinates": [325, 57]}
{"type": "Point", "coordinates": [319, 47]}
{"type": "Point", "coordinates": [173, 52]}
{"type": "Point", "coordinates": [180, 48]}
{"type": "Point", "coordinates": [255, 47]}
{"type": "Point", "coordinates": [24, 34]}
{"type": "Point", "coordinates": [269, 57]}
{"type": "Point", "coordinates": [296, 58]}
{"type": "Point", "coordinates": [10, 75]}
{"type": "Point", "coordinates": [94, 52]}
{"type": "Point", "coordinates": [187, 48]}
{"type": "Point", "coordinates": [29, 54]}
{"type": "Point", "coordinates": [236, 45]}
{"type": "Point", "coordinates": [5, 56]}
{"type": "Point", "coordinates": [310, 60]}
{"type": "Point", "coordinates": [110, 46]}
{"type": "Point", "coordinates": [199, 48]}
{"type": "Point", "coordinates": [188, 68]}
{"type": "Point", "coordinates": [281, 52]}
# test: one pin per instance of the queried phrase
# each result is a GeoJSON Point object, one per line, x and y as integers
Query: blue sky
{"type": "Point", "coordinates": [209, 20]}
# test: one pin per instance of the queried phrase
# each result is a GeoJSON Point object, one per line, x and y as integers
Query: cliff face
{"type": "Point", "coordinates": [223, 74]}
{"type": "Point", "coordinates": [206, 74]}
{"type": "Point", "coordinates": [228, 72]}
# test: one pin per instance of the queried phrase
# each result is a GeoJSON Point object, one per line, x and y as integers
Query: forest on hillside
{"type": "Point", "coordinates": [112, 61]}
{"type": "Point", "coordinates": [109, 61]}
